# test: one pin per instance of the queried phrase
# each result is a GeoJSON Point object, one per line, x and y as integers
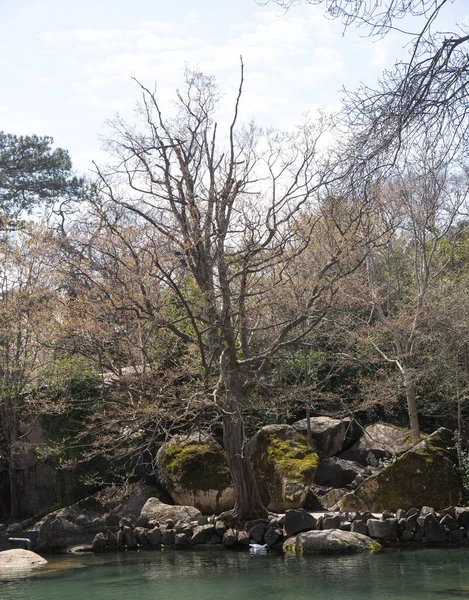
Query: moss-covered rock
{"type": "Point", "coordinates": [426, 475]}
{"type": "Point", "coordinates": [284, 465]}
{"type": "Point", "coordinates": [330, 541]}
{"type": "Point", "coordinates": [195, 472]}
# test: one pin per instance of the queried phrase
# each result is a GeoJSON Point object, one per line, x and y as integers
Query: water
{"type": "Point", "coordinates": [226, 575]}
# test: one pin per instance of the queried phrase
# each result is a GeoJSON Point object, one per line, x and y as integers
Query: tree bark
{"type": "Point", "coordinates": [13, 475]}
{"type": "Point", "coordinates": [411, 406]}
{"type": "Point", "coordinates": [248, 503]}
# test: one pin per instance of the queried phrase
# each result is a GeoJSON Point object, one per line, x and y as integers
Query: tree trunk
{"type": "Point", "coordinates": [411, 406]}
{"type": "Point", "coordinates": [248, 503]}
{"type": "Point", "coordinates": [13, 474]}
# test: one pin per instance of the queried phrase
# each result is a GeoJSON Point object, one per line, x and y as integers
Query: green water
{"type": "Point", "coordinates": [190, 575]}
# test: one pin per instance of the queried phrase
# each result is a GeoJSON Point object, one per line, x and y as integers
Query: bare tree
{"type": "Point", "coordinates": [225, 225]}
{"type": "Point", "coordinates": [423, 96]}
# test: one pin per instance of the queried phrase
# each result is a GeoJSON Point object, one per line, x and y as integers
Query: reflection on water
{"type": "Point", "coordinates": [179, 575]}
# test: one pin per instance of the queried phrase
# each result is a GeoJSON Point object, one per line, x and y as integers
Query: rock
{"type": "Point", "coordinates": [155, 510]}
{"type": "Point", "coordinates": [449, 523]}
{"type": "Point", "coordinates": [168, 537]}
{"type": "Point", "coordinates": [456, 535]}
{"type": "Point", "coordinates": [229, 538]}
{"type": "Point", "coordinates": [129, 537]}
{"type": "Point", "coordinates": [220, 528]}
{"type": "Point", "coordinates": [337, 472]}
{"type": "Point", "coordinates": [401, 514]}
{"type": "Point", "coordinates": [154, 536]}
{"type": "Point", "coordinates": [345, 526]}
{"type": "Point", "coordinates": [111, 539]}
{"type": "Point", "coordinates": [57, 532]}
{"type": "Point", "coordinates": [330, 436]}
{"type": "Point", "coordinates": [243, 538]}
{"type": "Point", "coordinates": [331, 522]}
{"type": "Point", "coordinates": [214, 539]}
{"type": "Point", "coordinates": [433, 531]}
{"type": "Point", "coordinates": [141, 536]}
{"type": "Point", "coordinates": [181, 539]}
{"type": "Point", "coordinates": [82, 520]}
{"type": "Point", "coordinates": [379, 441]}
{"type": "Point", "coordinates": [424, 475]}
{"type": "Point", "coordinates": [272, 536]}
{"type": "Point", "coordinates": [383, 530]}
{"type": "Point", "coordinates": [407, 536]}
{"type": "Point", "coordinates": [284, 465]}
{"type": "Point", "coordinates": [331, 541]}
{"type": "Point", "coordinates": [120, 538]}
{"type": "Point", "coordinates": [331, 500]}
{"type": "Point", "coordinates": [359, 527]}
{"type": "Point", "coordinates": [195, 472]}
{"type": "Point", "coordinates": [100, 540]}
{"type": "Point", "coordinates": [462, 516]}
{"type": "Point", "coordinates": [297, 520]}
{"type": "Point", "coordinates": [20, 559]}
{"type": "Point", "coordinates": [202, 533]}
{"type": "Point", "coordinates": [257, 532]}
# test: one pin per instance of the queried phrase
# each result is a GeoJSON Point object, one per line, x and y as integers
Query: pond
{"type": "Point", "coordinates": [227, 575]}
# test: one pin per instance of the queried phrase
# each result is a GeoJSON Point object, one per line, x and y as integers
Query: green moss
{"type": "Point", "coordinates": [293, 460]}
{"type": "Point", "coordinates": [200, 466]}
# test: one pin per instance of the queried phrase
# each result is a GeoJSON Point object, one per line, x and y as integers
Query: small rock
{"type": "Point", "coordinates": [449, 523]}
{"type": "Point", "coordinates": [99, 541]}
{"type": "Point", "coordinates": [169, 524]}
{"type": "Point", "coordinates": [297, 520]}
{"type": "Point", "coordinates": [82, 520]}
{"type": "Point", "coordinates": [111, 540]}
{"type": "Point", "coordinates": [257, 532]}
{"type": "Point", "coordinates": [181, 539]}
{"type": "Point", "coordinates": [331, 522]}
{"type": "Point", "coordinates": [434, 532]}
{"type": "Point", "coordinates": [407, 536]}
{"type": "Point", "coordinates": [220, 528]}
{"type": "Point", "coordinates": [129, 537]}
{"type": "Point", "coordinates": [141, 535]}
{"type": "Point", "coordinates": [229, 538]}
{"type": "Point", "coordinates": [243, 538]}
{"type": "Point", "coordinates": [383, 530]}
{"type": "Point", "coordinates": [168, 537]}
{"type": "Point", "coordinates": [456, 535]}
{"type": "Point", "coordinates": [154, 537]}
{"type": "Point", "coordinates": [359, 526]}
{"type": "Point", "coordinates": [272, 536]}
{"type": "Point", "coordinates": [401, 514]}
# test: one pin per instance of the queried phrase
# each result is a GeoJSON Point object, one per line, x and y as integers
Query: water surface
{"type": "Point", "coordinates": [227, 575]}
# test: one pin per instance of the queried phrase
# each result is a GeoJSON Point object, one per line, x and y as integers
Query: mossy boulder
{"type": "Point", "coordinates": [330, 436]}
{"type": "Point", "coordinates": [379, 441]}
{"type": "Point", "coordinates": [330, 541]}
{"type": "Point", "coordinates": [426, 475]}
{"type": "Point", "coordinates": [194, 471]}
{"type": "Point", "coordinates": [284, 465]}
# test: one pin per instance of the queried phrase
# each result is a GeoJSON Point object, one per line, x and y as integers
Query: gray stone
{"type": "Point", "coordinates": [229, 538]}
{"type": "Point", "coordinates": [100, 540]}
{"type": "Point", "coordinates": [449, 523]}
{"type": "Point", "coordinates": [111, 540]}
{"type": "Point", "coordinates": [419, 533]}
{"type": "Point", "coordinates": [336, 472]}
{"type": "Point", "coordinates": [330, 436]}
{"type": "Point", "coordinates": [330, 541]}
{"type": "Point", "coordinates": [141, 535]}
{"type": "Point", "coordinates": [202, 533]}
{"type": "Point", "coordinates": [434, 532]}
{"type": "Point", "coordinates": [243, 538]}
{"type": "Point", "coordinates": [220, 528]}
{"type": "Point", "coordinates": [155, 510]}
{"type": "Point", "coordinates": [462, 516]}
{"type": "Point", "coordinates": [407, 536]}
{"type": "Point", "coordinates": [412, 512]}
{"type": "Point", "coordinates": [359, 527]}
{"type": "Point", "coordinates": [257, 532]}
{"type": "Point", "coordinates": [331, 522]}
{"type": "Point", "coordinates": [383, 530]}
{"type": "Point", "coordinates": [82, 520]}
{"type": "Point", "coordinates": [297, 520]}
{"type": "Point", "coordinates": [214, 540]}
{"type": "Point", "coordinates": [154, 536]}
{"type": "Point", "coordinates": [272, 536]}
{"type": "Point", "coordinates": [129, 537]}
{"type": "Point", "coordinates": [120, 538]}
{"type": "Point", "coordinates": [181, 539]}
{"type": "Point", "coordinates": [345, 526]}
{"type": "Point", "coordinates": [168, 537]}
{"type": "Point", "coordinates": [401, 514]}
{"type": "Point", "coordinates": [20, 559]}
{"type": "Point", "coordinates": [379, 441]}
{"type": "Point", "coordinates": [456, 535]}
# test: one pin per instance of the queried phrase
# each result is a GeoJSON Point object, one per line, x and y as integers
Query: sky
{"type": "Point", "coordinates": [66, 66]}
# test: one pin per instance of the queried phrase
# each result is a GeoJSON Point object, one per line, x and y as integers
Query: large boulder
{"type": "Point", "coordinates": [330, 436]}
{"type": "Point", "coordinates": [336, 472]}
{"type": "Point", "coordinates": [56, 532]}
{"type": "Point", "coordinates": [379, 441]}
{"type": "Point", "coordinates": [284, 465]}
{"type": "Point", "coordinates": [195, 472]}
{"type": "Point", "coordinates": [20, 559]}
{"type": "Point", "coordinates": [426, 475]}
{"type": "Point", "coordinates": [159, 512]}
{"type": "Point", "coordinates": [331, 541]}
